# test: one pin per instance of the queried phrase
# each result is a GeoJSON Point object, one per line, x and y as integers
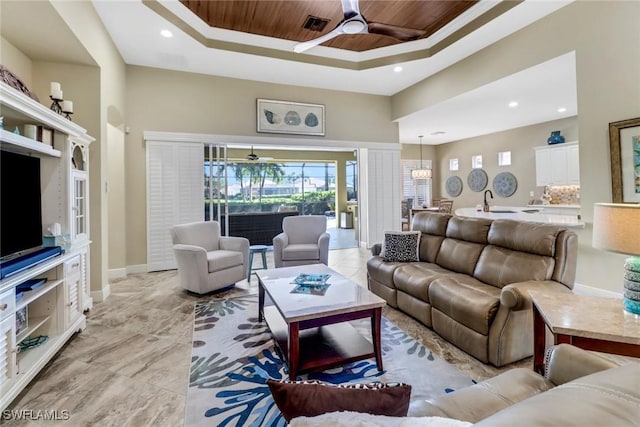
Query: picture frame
{"type": "Point", "coordinates": [624, 144]}
{"type": "Point", "coordinates": [45, 135]}
{"type": "Point", "coordinates": [295, 118]}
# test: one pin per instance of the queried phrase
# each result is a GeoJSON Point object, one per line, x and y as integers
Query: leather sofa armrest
{"type": "Point", "coordinates": [515, 296]}
{"type": "Point", "coordinates": [565, 363]}
{"type": "Point", "coordinates": [484, 399]}
{"type": "Point", "coordinates": [376, 249]}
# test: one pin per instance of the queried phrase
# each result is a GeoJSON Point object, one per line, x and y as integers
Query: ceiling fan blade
{"type": "Point", "coordinates": [350, 8]}
{"type": "Point", "coordinates": [400, 33]}
{"type": "Point", "coordinates": [301, 47]}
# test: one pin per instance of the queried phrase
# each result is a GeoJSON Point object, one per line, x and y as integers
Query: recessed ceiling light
{"type": "Point", "coordinates": [513, 104]}
{"type": "Point", "coordinates": [397, 68]}
{"type": "Point", "coordinates": [436, 133]}
{"type": "Point", "coordinates": [562, 110]}
{"type": "Point", "coordinates": [166, 33]}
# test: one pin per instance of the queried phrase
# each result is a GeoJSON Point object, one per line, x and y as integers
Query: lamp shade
{"type": "Point", "coordinates": [616, 227]}
{"type": "Point", "coordinates": [421, 173]}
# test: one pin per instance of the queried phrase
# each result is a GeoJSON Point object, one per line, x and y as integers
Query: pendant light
{"type": "Point", "coordinates": [421, 173]}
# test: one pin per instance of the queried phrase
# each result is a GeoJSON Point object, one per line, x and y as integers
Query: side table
{"type": "Point", "coordinates": [262, 250]}
{"type": "Point", "coordinates": [592, 323]}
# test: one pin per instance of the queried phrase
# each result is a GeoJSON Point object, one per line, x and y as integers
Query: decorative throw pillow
{"type": "Point", "coordinates": [311, 398]}
{"type": "Point", "coordinates": [401, 246]}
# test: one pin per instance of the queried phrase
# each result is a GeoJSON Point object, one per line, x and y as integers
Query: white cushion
{"type": "Point", "coordinates": [357, 419]}
{"type": "Point", "coordinates": [221, 260]}
{"type": "Point", "coordinates": [301, 251]}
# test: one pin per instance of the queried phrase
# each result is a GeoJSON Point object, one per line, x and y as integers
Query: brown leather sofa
{"type": "Point", "coordinates": [471, 283]}
{"type": "Point", "coordinates": [579, 388]}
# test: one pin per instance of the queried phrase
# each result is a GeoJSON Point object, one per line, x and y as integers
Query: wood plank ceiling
{"type": "Point", "coordinates": [286, 19]}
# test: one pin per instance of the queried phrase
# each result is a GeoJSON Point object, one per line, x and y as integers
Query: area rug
{"type": "Point", "coordinates": [233, 356]}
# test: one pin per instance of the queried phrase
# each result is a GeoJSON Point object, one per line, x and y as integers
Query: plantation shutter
{"type": "Point", "coordinates": [175, 195]}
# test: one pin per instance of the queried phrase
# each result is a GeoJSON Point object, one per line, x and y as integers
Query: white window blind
{"type": "Point", "coordinates": [419, 190]}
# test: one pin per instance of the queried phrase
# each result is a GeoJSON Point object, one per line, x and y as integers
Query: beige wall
{"type": "Point", "coordinates": [606, 41]}
{"type": "Point", "coordinates": [161, 100]}
{"type": "Point", "coordinates": [116, 193]}
{"type": "Point", "coordinates": [17, 62]}
{"type": "Point", "coordinates": [108, 93]}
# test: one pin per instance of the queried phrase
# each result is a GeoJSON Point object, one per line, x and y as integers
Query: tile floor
{"type": "Point", "coordinates": [130, 366]}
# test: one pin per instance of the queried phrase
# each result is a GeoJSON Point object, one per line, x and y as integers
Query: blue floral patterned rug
{"type": "Point", "coordinates": [234, 355]}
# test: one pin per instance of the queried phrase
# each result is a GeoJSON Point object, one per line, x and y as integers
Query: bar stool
{"type": "Point", "coordinates": [261, 249]}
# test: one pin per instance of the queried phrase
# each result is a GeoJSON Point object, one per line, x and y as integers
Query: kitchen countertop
{"type": "Point", "coordinates": [555, 206]}
{"type": "Point", "coordinates": [519, 213]}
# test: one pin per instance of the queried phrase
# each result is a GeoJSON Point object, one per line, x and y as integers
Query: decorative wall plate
{"type": "Point", "coordinates": [505, 184]}
{"type": "Point", "coordinates": [454, 186]}
{"type": "Point", "coordinates": [477, 179]}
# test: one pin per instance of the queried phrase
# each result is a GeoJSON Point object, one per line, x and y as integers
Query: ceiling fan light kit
{"type": "Point", "coordinates": [354, 26]}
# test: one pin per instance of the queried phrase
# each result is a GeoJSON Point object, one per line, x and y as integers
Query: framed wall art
{"type": "Point", "coordinates": [290, 117]}
{"type": "Point", "coordinates": [624, 143]}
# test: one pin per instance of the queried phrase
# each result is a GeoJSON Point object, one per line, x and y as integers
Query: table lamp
{"type": "Point", "coordinates": [616, 228]}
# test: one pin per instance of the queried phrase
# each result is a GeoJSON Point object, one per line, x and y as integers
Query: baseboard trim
{"type": "Point", "coordinates": [137, 269]}
{"type": "Point", "coordinates": [117, 273]}
{"type": "Point", "coordinates": [596, 292]}
{"type": "Point", "coordinates": [101, 295]}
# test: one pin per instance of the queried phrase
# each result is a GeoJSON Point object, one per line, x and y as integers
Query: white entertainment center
{"type": "Point", "coordinates": [56, 308]}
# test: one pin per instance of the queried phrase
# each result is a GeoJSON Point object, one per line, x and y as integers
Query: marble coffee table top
{"type": "Point", "coordinates": [588, 316]}
{"type": "Point", "coordinates": [342, 296]}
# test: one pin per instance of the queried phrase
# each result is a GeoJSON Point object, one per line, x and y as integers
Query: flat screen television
{"type": "Point", "coordinates": [20, 204]}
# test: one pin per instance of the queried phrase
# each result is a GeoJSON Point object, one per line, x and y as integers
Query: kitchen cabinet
{"type": "Point", "coordinates": [558, 164]}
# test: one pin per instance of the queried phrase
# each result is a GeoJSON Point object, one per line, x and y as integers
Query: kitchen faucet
{"type": "Point", "coordinates": [486, 204]}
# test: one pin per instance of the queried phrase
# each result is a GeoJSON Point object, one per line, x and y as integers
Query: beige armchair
{"type": "Point", "coordinates": [304, 240]}
{"type": "Point", "coordinates": [206, 260]}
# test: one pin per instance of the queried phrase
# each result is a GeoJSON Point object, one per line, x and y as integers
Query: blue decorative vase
{"type": "Point", "coordinates": [555, 138]}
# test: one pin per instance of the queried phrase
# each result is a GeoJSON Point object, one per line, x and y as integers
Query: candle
{"type": "Point", "coordinates": [67, 106]}
{"type": "Point", "coordinates": [55, 86]}
{"type": "Point", "coordinates": [56, 94]}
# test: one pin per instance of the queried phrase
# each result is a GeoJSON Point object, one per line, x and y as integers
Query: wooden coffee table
{"type": "Point", "coordinates": [588, 322]}
{"type": "Point", "coordinates": [313, 331]}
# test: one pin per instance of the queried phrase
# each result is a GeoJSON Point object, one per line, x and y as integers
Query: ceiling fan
{"type": "Point", "coordinates": [355, 23]}
{"type": "Point", "coordinates": [253, 157]}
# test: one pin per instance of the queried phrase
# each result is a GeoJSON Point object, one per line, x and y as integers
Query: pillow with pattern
{"type": "Point", "coordinates": [401, 246]}
{"type": "Point", "coordinates": [311, 398]}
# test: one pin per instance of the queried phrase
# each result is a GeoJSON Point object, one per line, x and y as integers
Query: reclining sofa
{"type": "Point", "coordinates": [472, 279]}
{"type": "Point", "coordinates": [579, 388]}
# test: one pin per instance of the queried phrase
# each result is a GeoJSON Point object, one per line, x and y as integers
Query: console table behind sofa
{"type": "Point", "coordinates": [259, 227]}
